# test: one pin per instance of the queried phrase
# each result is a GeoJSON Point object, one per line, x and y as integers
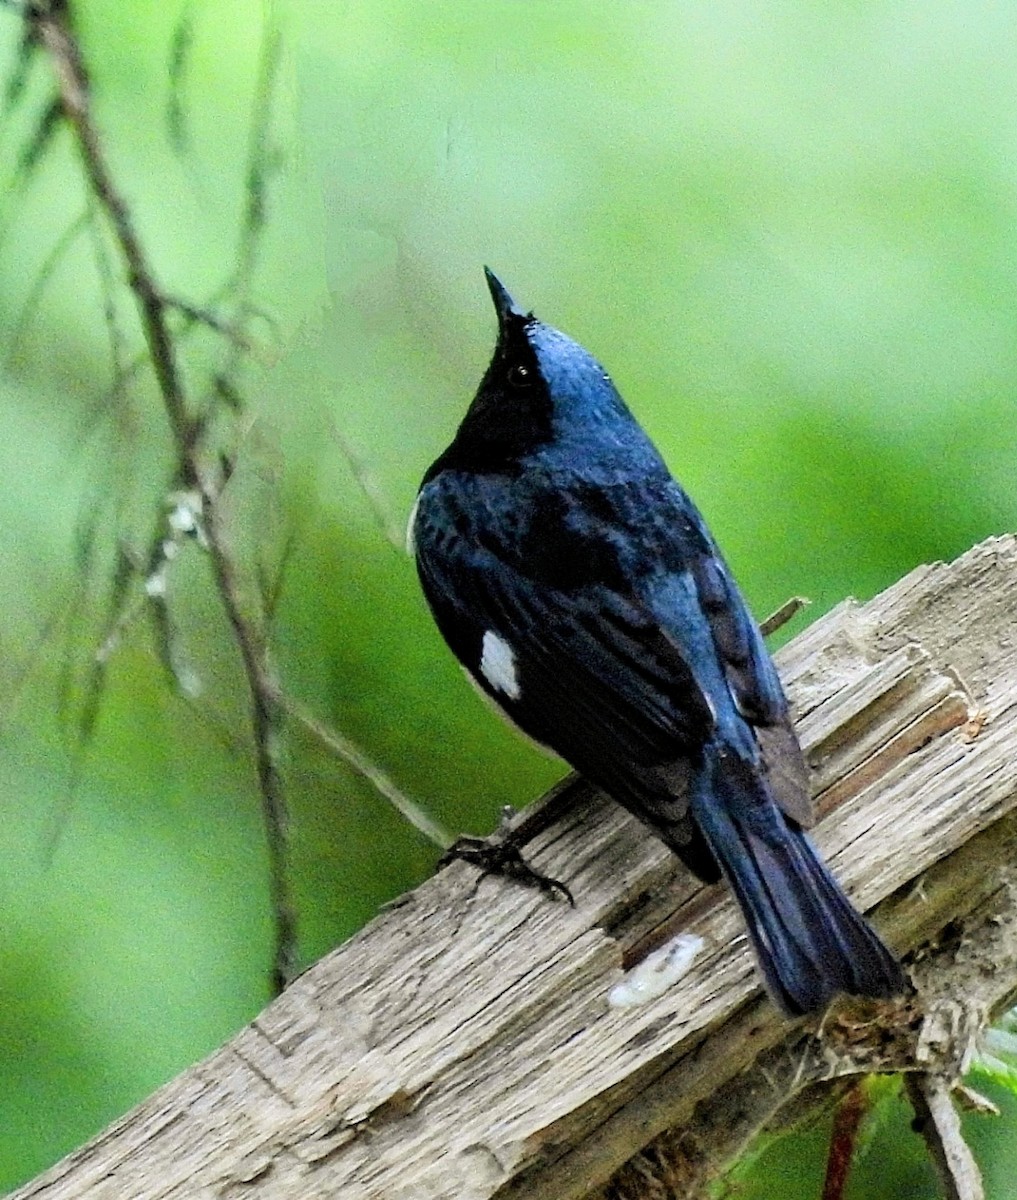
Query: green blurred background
{"type": "Point", "coordinates": [789, 230]}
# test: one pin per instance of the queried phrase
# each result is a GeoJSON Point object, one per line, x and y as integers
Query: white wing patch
{"type": "Point", "coordinates": [498, 665]}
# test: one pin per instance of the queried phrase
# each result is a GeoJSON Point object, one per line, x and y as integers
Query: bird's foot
{"type": "Point", "coordinates": [499, 855]}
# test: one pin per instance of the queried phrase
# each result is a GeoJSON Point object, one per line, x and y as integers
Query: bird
{"type": "Point", "coordinates": [578, 585]}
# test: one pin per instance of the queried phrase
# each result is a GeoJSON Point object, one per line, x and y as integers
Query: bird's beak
{"type": "Point", "coordinates": [504, 305]}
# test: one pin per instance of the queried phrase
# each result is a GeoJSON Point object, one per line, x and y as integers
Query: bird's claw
{"type": "Point", "coordinates": [499, 856]}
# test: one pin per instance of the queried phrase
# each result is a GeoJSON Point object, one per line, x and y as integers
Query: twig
{"type": "Point", "coordinates": [179, 60]}
{"type": "Point", "coordinates": [196, 315]}
{"type": "Point", "coordinates": [72, 80]}
{"type": "Point", "coordinates": [35, 148]}
{"type": "Point", "coordinates": [51, 25]}
{"type": "Point", "coordinates": [46, 272]}
{"type": "Point", "coordinates": [264, 717]}
{"type": "Point", "coordinates": [371, 491]}
{"type": "Point", "coordinates": [780, 617]}
{"type": "Point", "coordinates": [259, 162]}
{"type": "Point", "coordinates": [939, 1124]}
{"type": "Point", "coordinates": [356, 759]}
{"type": "Point", "coordinates": [846, 1123]}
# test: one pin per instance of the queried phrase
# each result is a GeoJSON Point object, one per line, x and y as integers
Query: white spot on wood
{"type": "Point", "coordinates": [657, 972]}
{"type": "Point", "coordinates": [411, 541]}
{"type": "Point", "coordinates": [498, 665]}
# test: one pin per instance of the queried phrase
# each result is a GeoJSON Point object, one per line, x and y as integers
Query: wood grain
{"type": "Point", "coordinates": [462, 1045]}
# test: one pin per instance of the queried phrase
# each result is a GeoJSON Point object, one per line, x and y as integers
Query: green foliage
{"type": "Point", "coordinates": [997, 1055]}
{"type": "Point", "coordinates": [888, 1158]}
{"type": "Point", "coordinates": [788, 231]}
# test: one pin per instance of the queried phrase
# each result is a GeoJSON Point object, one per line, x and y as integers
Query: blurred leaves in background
{"type": "Point", "coordinates": [789, 231]}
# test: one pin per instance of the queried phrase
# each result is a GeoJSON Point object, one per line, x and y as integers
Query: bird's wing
{"type": "Point", "coordinates": [753, 682]}
{"type": "Point", "coordinates": [585, 674]}
{"type": "Point", "coordinates": [615, 667]}
{"type": "Point", "coordinates": [566, 668]}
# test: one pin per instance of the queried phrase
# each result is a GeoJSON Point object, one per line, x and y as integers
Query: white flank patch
{"type": "Point", "coordinates": [498, 665]}
{"type": "Point", "coordinates": [657, 972]}
{"type": "Point", "coordinates": [411, 541]}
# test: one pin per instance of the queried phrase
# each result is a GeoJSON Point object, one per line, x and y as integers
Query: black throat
{"type": "Point", "coordinates": [510, 416]}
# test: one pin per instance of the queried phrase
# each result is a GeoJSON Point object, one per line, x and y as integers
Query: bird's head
{"type": "Point", "coordinates": [541, 389]}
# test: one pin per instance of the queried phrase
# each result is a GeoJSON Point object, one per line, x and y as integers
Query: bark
{"type": "Point", "coordinates": [462, 1044]}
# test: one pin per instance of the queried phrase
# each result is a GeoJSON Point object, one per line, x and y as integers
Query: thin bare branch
{"type": "Point", "coordinates": [355, 758]}
{"type": "Point", "coordinates": [179, 60]}
{"type": "Point", "coordinates": [18, 79]}
{"type": "Point", "coordinates": [939, 1124]}
{"type": "Point", "coordinates": [780, 617]}
{"type": "Point", "coordinates": [266, 728]}
{"type": "Point", "coordinates": [196, 315]}
{"type": "Point", "coordinates": [368, 484]}
{"type": "Point", "coordinates": [51, 25]}
{"type": "Point", "coordinates": [847, 1122]}
{"type": "Point", "coordinates": [114, 326]}
{"type": "Point", "coordinates": [260, 161]}
{"type": "Point", "coordinates": [42, 279]}
{"type": "Point", "coordinates": [35, 148]}
{"type": "Point", "coordinates": [74, 86]}
{"type": "Point", "coordinates": [271, 579]}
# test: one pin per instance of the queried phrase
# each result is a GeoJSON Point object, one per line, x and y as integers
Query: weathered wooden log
{"type": "Point", "coordinates": [462, 1045]}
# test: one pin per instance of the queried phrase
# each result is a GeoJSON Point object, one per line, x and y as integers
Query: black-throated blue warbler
{"type": "Point", "coordinates": [578, 585]}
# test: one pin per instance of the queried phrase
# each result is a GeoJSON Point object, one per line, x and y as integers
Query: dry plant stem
{"type": "Point", "coordinates": [46, 272]}
{"type": "Point", "coordinates": [350, 754]}
{"type": "Point", "coordinates": [265, 714]}
{"type": "Point", "coordinates": [461, 1047]}
{"type": "Point", "coordinates": [939, 1124]}
{"type": "Point", "coordinates": [847, 1121]}
{"type": "Point", "coordinates": [51, 26]}
{"type": "Point", "coordinates": [371, 491]}
{"type": "Point", "coordinates": [780, 617]}
{"type": "Point", "coordinates": [72, 79]}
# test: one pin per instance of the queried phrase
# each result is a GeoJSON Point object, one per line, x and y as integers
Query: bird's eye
{"type": "Point", "coordinates": [519, 377]}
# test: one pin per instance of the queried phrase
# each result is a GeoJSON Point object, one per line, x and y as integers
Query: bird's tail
{"type": "Point", "coordinates": [810, 941]}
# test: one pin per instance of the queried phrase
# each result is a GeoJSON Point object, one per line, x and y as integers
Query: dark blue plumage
{"type": "Point", "coordinates": [578, 584]}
